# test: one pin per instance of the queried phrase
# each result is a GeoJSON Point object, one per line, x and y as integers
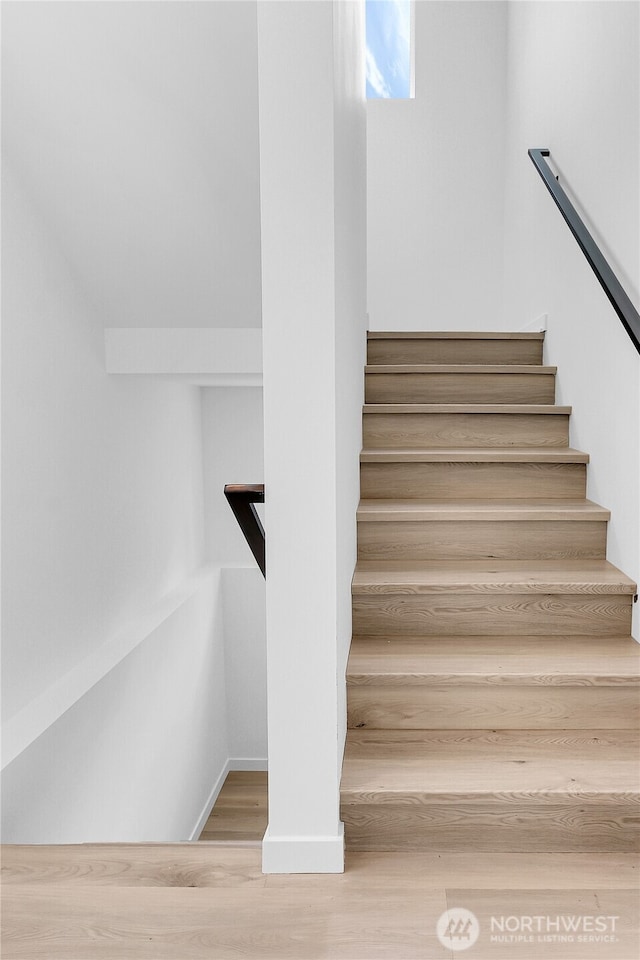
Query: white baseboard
{"type": "Point", "coordinates": [248, 763]}
{"type": "Point", "coordinates": [211, 799]}
{"type": "Point", "coordinates": [303, 854]}
{"type": "Point", "coordinates": [232, 763]}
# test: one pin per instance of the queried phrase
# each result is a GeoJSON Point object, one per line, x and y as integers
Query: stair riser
{"type": "Point", "coordinates": [459, 388]}
{"type": "Point", "coordinates": [530, 707]}
{"type": "Point", "coordinates": [433, 749]}
{"type": "Point", "coordinates": [482, 540]}
{"type": "Point", "coordinates": [439, 481]}
{"type": "Point", "coordinates": [454, 351]}
{"type": "Point", "coordinates": [465, 430]}
{"type": "Point", "coordinates": [453, 757]}
{"type": "Point", "coordinates": [469, 615]}
{"type": "Point", "coordinates": [493, 827]}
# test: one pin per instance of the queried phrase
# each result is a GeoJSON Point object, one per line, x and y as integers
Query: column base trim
{"type": "Point", "coordinates": [300, 854]}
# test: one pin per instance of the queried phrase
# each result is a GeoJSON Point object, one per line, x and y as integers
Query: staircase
{"type": "Point", "coordinates": [493, 697]}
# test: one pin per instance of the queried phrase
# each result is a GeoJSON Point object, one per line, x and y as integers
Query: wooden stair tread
{"type": "Point", "coordinates": [493, 684]}
{"type": "Point", "coordinates": [506, 408]}
{"type": "Point", "coordinates": [473, 455]}
{"type": "Point", "coordinates": [451, 335]}
{"type": "Point", "coordinates": [379, 577]}
{"type": "Point", "coordinates": [448, 766]}
{"type": "Point", "coordinates": [501, 660]}
{"type": "Point", "coordinates": [442, 510]}
{"type": "Point", "coordinates": [466, 368]}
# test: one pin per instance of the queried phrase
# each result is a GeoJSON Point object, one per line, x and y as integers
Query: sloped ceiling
{"type": "Point", "coordinates": [134, 127]}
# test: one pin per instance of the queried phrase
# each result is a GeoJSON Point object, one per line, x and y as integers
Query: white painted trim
{"type": "Point", "coordinates": [29, 723]}
{"type": "Point", "coordinates": [229, 356]}
{"type": "Point", "coordinates": [233, 763]}
{"type": "Point", "coordinates": [211, 799]}
{"type": "Point", "coordinates": [248, 763]}
{"type": "Point", "coordinates": [204, 379]}
{"type": "Point", "coordinates": [303, 854]}
{"type": "Point", "coordinates": [412, 50]}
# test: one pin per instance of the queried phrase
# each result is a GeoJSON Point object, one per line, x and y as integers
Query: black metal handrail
{"type": "Point", "coordinates": [241, 497]}
{"type": "Point", "coordinates": [606, 277]}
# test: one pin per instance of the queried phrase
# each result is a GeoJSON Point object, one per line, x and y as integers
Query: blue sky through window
{"type": "Point", "coordinates": [388, 48]}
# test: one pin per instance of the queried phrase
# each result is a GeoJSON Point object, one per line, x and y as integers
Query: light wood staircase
{"type": "Point", "coordinates": [493, 698]}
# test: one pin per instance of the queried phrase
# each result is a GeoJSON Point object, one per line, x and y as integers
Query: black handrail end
{"type": "Point", "coordinates": [250, 492]}
{"type": "Point", "coordinates": [241, 498]}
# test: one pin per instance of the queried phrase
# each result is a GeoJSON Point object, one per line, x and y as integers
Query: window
{"type": "Point", "coordinates": [389, 60]}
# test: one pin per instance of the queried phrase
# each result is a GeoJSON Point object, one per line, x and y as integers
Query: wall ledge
{"type": "Point", "coordinates": [21, 730]}
{"type": "Point", "coordinates": [205, 356]}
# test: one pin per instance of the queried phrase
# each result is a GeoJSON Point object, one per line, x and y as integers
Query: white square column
{"type": "Point", "coordinates": [313, 172]}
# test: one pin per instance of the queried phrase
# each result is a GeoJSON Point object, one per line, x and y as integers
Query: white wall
{"type": "Point", "coordinates": [102, 476]}
{"type": "Point", "coordinates": [114, 737]}
{"type": "Point", "coordinates": [312, 235]}
{"type": "Point", "coordinates": [129, 198]}
{"type": "Point", "coordinates": [135, 126]}
{"type": "Point", "coordinates": [233, 452]}
{"type": "Point", "coordinates": [573, 87]}
{"type": "Point", "coordinates": [141, 755]}
{"type": "Point", "coordinates": [435, 177]}
{"type": "Point", "coordinates": [245, 655]}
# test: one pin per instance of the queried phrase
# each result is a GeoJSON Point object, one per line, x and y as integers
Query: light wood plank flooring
{"type": "Point", "coordinates": [240, 812]}
{"type": "Point", "coordinates": [211, 901]}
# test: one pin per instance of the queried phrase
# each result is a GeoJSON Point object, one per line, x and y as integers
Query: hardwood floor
{"type": "Point", "coordinates": [208, 901]}
{"type": "Point", "coordinates": [492, 716]}
{"type": "Point", "coordinates": [211, 901]}
{"type": "Point", "coordinates": [240, 812]}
